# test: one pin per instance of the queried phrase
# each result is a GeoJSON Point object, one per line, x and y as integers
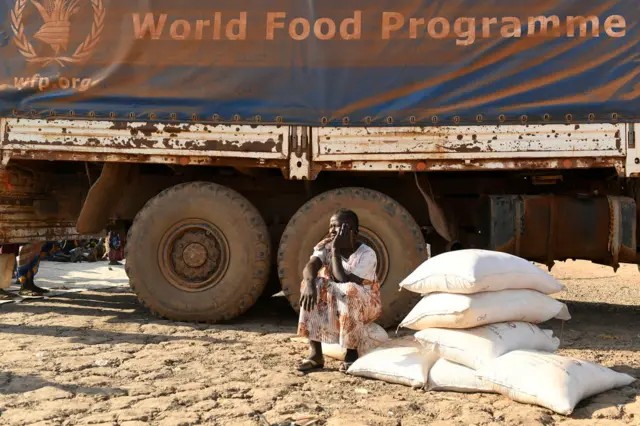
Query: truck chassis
{"type": "Point", "coordinates": [215, 211]}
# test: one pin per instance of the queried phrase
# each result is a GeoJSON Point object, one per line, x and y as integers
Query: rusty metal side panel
{"type": "Point", "coordinates": [470, 142]}
{"type": "Point", "coordinates": [141, 138]}
{"type": "Point", "coordinates": [38, 206]}
{"type": "Point", "coordinates": [434, 165]}
{"type": "Point", "coordinates": [448, 148]}
{"type": "Point", "coordinates": [632, 167]}
{"type": "Point", "coordinates": [25, 232]}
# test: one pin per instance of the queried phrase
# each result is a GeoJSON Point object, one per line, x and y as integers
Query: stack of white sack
{"type": "Point", "coordinates": [476, 332]}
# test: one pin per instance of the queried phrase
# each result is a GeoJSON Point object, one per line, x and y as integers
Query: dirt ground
{"type": "Point", "coordinates": [96, 357]}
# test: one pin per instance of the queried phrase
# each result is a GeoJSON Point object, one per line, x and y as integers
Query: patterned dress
{"type": "Point", "coordinates": [343, 309]}
{"type": "Point", "coordinates": [29, 258]}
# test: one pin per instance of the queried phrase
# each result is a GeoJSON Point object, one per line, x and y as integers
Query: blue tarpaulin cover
{"type": "Point", "coordinates": [299, 61]}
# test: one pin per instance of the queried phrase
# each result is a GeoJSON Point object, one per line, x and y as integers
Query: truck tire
{"type": "Point", "coordinates": [385, 226]}
{"type": "Point", "coordinates": [198, 252]}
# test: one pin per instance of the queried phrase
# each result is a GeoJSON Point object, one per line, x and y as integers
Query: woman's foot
{"type": "Point", "coordinates": [310, 365]}
{"type": "Point", "coordinates": [30, 289]}
{"type": "Point", "coordinates": [349, 358]}
{"type": "Point", "coordinates": [315, 361]}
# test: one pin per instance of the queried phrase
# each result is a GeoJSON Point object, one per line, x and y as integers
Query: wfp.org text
{"type": "Point", "coordinates": [44, 83]}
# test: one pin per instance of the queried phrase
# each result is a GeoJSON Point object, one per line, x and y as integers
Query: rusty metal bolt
{"type": "Point", "coordinates": [279, 119]}
{"type": "Point", "coordinates": [591, 116]}
{"type": "Point", "coordinates": [345, 121]}
{"type": "Point", "coordinates": [324, 120]}
{"type": "Point", "coordinates": [479, 118]}
{"type": "Point", "coordinates": [546, 117]}
{"type": "Point", "coordinates": [435, 119]}
{"type": "Point", "coordinates": [92, 114]}
{"type": "Point", "coordinates": [258, 118]}
{"type": "Point", "coordinates": [569, 117]}
{"type": "Point", "coordinates": [456, 119]}
{"type": "Point", "coordinates": [367, 120]}
{"type": "Point", "coordinates": [614, 116]}
{"type": "Point", "coordinates": [389, 120]}
{"type": "Point", "coordinates": [173, 116]}
{"type": "Point", "coordinates": [524, 118]}
{"type": "Point", "coordinates": [112, 115]}
{"type": "Point", "coordinates": [152, 116]}
{"type": "Point", "coordinates": [52, 113]}
{"type": "Point", "coordinates": [216, 117]}
{"type": "Point", "coordinates": [236, 117]}
{"type": "Point", "coordinates": [132, 115]}
{"type": "Point", "coordinates": [412, 119]}
{"type": "Point", "coordinates": [502, 118]}
{"type": "Point", "coordinates": [194, 117]}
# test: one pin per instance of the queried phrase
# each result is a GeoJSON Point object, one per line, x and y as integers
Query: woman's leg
{"type": "Point", "coordinates": [351, 355]}
{"type": "Point", "coordinates": [28, 264]}
{"type": "Point", "coordinates": [357, 307]}
{"type": "Point", "coordinates": [317, 325]}
{"type": "Point", "coordinates": [315, 352]}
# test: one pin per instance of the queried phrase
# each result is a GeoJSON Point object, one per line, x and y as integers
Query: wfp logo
{"type": "Point", "coordinates": [54, 35]}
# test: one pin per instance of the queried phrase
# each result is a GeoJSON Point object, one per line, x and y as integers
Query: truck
{"type": "Point", "coordinates": [221, 136]}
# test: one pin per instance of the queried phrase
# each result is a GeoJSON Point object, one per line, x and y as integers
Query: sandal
{"type": "Point", "coordinates": [310, 365]}
{"type": "Point", "coordinates": [30, 293]}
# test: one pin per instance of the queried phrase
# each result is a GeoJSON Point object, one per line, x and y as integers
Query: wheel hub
{"type": "Point", "coordinates": [193, 255]}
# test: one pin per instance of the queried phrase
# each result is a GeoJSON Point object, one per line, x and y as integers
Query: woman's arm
{"type": "Point", "coordinates": [309, 295]}
{"type": "Point", "coordinates": [310, 272]}
{"type": "Point", "coordinates": [339, 273]}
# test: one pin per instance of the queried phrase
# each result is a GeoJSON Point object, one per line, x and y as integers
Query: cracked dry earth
{"type": "Point", "coordinates": [98, 358]}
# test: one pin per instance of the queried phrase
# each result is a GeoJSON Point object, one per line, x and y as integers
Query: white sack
{"type": "Point", "coordinates": [374, 336]}
{"type": "Point", "coordinates": [450, 377]}
{"type": "Point", "coordinates": [552, 381]}
{"type": "Point", "coordinates": [479, 346]}
{"type": "Point", "coordinates": [473, 310]}
{"type": "Point", "coordinates": [475, 271]}
{"type": "Point", "coordinates": [400, 361]}
{"type": "Point", "coordinates": [334, 350]}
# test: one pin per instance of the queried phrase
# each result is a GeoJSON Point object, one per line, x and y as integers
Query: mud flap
{"type": "Point", "coordinates": [103, 196]}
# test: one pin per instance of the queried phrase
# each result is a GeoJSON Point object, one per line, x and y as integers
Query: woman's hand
{"type": "Point", "coordinates": [343, 239]}
{"type": "Point", "coordinates": [309, 295]}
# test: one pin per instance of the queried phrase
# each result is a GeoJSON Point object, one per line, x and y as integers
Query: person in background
{"type": "Point", "coordinates": [115, 248]}
{"type": "Point", "coordinates": [28, 262]}
{"type": "Point", "coordinates": [340, 292]}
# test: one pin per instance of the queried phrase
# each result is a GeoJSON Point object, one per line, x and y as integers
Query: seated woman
{"type": "Point", "coordinates": [340, 292]}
